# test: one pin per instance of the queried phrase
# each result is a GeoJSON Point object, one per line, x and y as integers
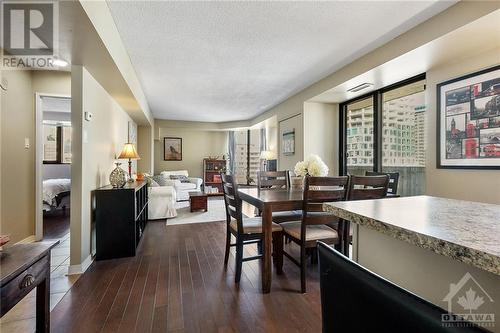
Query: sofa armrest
{"type": "Point", "coordinates": [162, 191]}
{"type": "Point", "coordinates": [172, 182]}
{"type": "Point", "coordinates": [196, 181]}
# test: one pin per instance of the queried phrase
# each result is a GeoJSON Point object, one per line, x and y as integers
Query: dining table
{"type": "Point", "coordinates": [269, 201]}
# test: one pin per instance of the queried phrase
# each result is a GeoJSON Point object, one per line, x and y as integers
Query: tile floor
{"type": "Point", "coordinates": [21, 318]}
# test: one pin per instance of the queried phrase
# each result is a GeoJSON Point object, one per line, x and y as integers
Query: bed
{"type": "Point", "coordinates": [56, 194]}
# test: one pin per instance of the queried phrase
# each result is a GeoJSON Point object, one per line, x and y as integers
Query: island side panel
{"type": "Point", "coordinates": [423, 272]}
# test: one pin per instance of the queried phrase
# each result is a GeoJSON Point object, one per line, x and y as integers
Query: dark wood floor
{"type": "Point", "coordinates": [176, 283]}
{"type": "Point", "coordinates": [55, 224]}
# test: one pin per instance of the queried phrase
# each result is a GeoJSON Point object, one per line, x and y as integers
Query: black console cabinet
{"type": "Point", "coordinates": [121, 215]}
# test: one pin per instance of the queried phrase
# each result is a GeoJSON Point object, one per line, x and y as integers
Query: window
{"type": "Point", "coordinates": [404, 108]}
{"type": "Point", "coordinates": [56, 142]}
{"type": "Point", "coordinates": [247, 148]}
{"type": "Point", "coordinates": [394, 117]}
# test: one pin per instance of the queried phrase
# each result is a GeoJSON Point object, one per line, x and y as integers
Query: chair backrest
{"type": "Point", "coordinates": [318, 190]}
{"type": "Point", "coordinates": [232, 200]}
{"type": "Point", "coordinates": [354, 299]}
{"type": "Point", "coordinates": [392, 188]}
{"type": "Point", "coordinates": [273, 179]}
{"type": "Point", "coordinates": [367, 187]}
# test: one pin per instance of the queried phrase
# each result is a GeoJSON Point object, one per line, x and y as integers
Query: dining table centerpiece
{"type": "Point", "coordinates": [312, 166]}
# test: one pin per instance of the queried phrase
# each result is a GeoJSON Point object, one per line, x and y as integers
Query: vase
{"type": "Point", "coordinates": [297, 183]}
{"type": "Point", "coordinates": [118, 177]}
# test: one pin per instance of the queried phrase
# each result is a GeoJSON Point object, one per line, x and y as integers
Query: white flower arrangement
{"type": "Point", "coordinates": [311, 166]}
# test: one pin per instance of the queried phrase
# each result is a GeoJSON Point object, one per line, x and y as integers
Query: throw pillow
{"type": "Point", "coordinates": [182, 178]}
{"type": "Point", "coordinates": [162, 181]}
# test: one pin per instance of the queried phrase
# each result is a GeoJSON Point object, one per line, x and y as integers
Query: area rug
{"type": "Point", "coordinates": [216, 212]}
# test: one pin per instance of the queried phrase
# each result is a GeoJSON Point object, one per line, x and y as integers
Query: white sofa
{"type": "Point", "coordinates": [162, 202]}
{"type": "Point", "coordinates": [182, 189]}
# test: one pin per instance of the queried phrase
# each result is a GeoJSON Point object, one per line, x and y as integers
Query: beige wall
{"type": "Point", "coordinates": [474, 185]}
{"type": "Point", "coordinates": [101, 141]}
{"type": "Point", "coordinates": [296, 122]}
{"type": "Point", "coordinates": [18, 172]}
{"type": "Point", "coordinates": [18, 163]}
{"type": "Point", "coordinates": [321, 133]}
{"type": "Point", "coordinates": [145, 149]}
{"type": "Point", "coordinates": [196, 145]}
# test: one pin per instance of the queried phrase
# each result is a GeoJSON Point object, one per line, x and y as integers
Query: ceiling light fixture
{"type": "Point", "coordinates": [59, 62]}
{"type": "Point", "coordinates": [360, 87]}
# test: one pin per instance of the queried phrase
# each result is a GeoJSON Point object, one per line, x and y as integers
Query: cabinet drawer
{"type": "Point", "coordinates": [22, 284]}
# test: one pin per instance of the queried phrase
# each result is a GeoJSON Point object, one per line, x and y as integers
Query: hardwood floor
{"type": "Point", "coordinates": [177, 283]}
{"type": "Point", "coordinates": [55, 224]}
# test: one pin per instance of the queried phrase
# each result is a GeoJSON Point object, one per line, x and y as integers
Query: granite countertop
{"type": "Point", "coordinates": [465, 231]}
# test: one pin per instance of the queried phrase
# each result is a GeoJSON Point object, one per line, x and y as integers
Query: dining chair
{"type": "Point", "coordinates": [354, 299]}
{"type": "Point", "coordinates": [392, 188]}
{"type": "Point", "coordinates": [313, 225]}
{"type": "Point", "coordinates": [246, 230]}
{"type": "Point", "coordinates": [362, 188]}
{"type": "Point", "coordinates": [277, 180]}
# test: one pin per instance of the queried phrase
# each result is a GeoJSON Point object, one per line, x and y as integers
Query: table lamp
{"type": "Point", "coordinates": [267, 155]}
{"type": "Point", "coordinates": [129, 152]}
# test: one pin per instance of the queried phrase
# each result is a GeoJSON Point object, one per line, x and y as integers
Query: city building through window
{"type": "Point", "coordinates": [385, 132]}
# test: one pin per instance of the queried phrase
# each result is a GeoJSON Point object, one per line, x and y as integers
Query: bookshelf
{"type": "Point", "coordinates": [211, 175]}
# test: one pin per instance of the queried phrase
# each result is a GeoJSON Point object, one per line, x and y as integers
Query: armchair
{"type": "Point", "coordinates": [162, 202]}
{"type": "Point", "coordinates": [182, 189]}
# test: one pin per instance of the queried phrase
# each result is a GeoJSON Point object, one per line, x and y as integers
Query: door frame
{"type": "Point", "coordinates": [39, 161]}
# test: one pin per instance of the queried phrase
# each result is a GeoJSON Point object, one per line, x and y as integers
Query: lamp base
{"type": "Point", "coordinates": [130, 180]}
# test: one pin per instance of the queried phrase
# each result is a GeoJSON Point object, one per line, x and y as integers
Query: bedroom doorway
{"type": "Point", "coordinates": [53, 167]}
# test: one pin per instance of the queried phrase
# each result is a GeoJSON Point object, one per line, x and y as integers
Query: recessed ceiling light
{"type": "Point", "coordinates": [360, 87]}
{"type": "Point", "coordinates": [59, 62]}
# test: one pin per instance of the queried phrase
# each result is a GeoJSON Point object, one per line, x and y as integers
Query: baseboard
{"type": "Point", "coordinates": [81, 268]}
{"type": "Point", "coordinates": [29, 239]}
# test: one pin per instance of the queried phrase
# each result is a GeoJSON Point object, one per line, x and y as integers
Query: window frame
{"type": "Point", "coordinates": [377, 101]}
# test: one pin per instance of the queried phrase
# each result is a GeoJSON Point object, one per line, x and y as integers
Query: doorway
{"type": "Point", "coordinates": [53, 166]}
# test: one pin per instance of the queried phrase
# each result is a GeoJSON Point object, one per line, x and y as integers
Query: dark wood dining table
{"type": "Point", "coordinates": [269, 201]}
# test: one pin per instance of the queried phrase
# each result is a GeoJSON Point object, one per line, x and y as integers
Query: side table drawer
{"type": "Point", "coordinates": [22, 284]}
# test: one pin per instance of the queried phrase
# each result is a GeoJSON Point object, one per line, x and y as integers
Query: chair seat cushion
{"type": "Point", "coordinates": [252, 226]}
{"type": "Point", "coordinates": [313, 232]}
{"type": "Point", "coordinates": [296, 213]}
{"type": "Point", "coordinates": [185, 186]}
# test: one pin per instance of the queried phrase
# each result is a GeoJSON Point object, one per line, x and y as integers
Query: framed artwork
{"type": "Point", "coordinates": [172, 149]}
{"type": "Point", "coordinates": [66, 145]}
{"type": "Point", "coordinates": [288, 142]}
{"type": "Point", "coordinates": [132, 133]}
{"type": "Point", "coordinates": [468, 121]}
{"type": "Point", "coordinates": [50, 143]}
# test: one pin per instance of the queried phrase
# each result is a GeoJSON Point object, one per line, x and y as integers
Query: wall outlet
{"type": "Point", "coordinates": [88, 116]}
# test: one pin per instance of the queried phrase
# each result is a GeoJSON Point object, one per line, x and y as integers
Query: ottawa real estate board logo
{"type": "Point", "coordinates": [29, 37]}
{"type": "Point", "coordinates": [468, 304]}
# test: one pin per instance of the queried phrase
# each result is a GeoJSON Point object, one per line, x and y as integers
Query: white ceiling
{"type": "Point", "coordinates": [227, 61]}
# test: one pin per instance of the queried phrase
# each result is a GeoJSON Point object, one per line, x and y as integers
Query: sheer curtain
{"type": "Point", "coordinates": [231, 150]}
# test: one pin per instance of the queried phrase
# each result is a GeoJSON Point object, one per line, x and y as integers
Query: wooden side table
{"type": "Point", "coordinates": [198, 201]}
{"type": "Point", "coordinates": [24, 267]}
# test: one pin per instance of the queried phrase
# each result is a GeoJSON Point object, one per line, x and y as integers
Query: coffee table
{"type": "Point", "coordinates": [198, 201]}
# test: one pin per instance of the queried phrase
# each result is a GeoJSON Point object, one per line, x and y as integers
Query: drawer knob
{"type": "Point", "coordinates": [26, 281]}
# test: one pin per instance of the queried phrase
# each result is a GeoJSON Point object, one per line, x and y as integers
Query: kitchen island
{"type": "Point", "coordinates": [435, 247]}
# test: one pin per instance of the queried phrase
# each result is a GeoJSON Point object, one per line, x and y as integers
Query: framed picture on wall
{"type": "Point", "coordinates": [468, 121]}
{"type": "Point", "coordinates": [50, 143]}
{"type": "Point", "coordinates": [288, 142]}
{"type": "Point", "coordinates": [172, 149]}
{"type": "Point", "coordinates": [66, 145]}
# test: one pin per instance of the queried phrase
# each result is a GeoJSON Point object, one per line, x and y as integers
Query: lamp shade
{"type": "Point", "coordinates": [129, 151]}
{"type": "Point", "coordinates": [267, 155]}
